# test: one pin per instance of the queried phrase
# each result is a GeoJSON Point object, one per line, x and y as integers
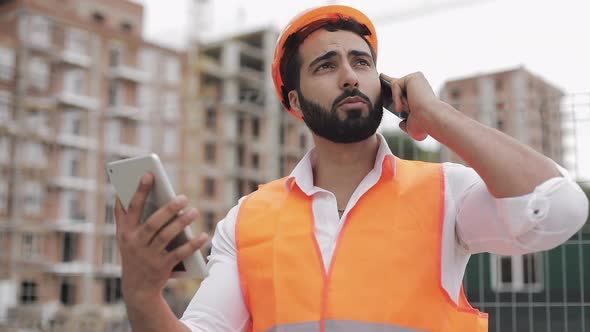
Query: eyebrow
{"type": "Point", "coordinates": [331, 54]}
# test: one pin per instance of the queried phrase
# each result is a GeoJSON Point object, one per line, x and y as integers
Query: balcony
{"type": "Point", "coordinates": [69, 268]}
{"type": "Point", "coordinates": [129, 73]}
{"type": "Point", "coordinates": [70, 225]}
{"type": "Point", "coordinates": [211, 66]}
{"type": "Point", "coordinates": [77, 141]}
{"type": "Point", "coordinates": [75, 58]}
{"type": "Point", "coordinates": [70, 182]}
{"type": "Point", "coordinates": [109, 270]}
{"type": "Point", "coordinates": [126, 150]}
{"type": "Point", "coordinates": [79, 101]}
{"type": "Point", "coordinates": [127, 112]}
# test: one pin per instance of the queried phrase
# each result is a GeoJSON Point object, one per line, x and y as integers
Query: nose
{"type": "Point", "coordinates": [349, 78]}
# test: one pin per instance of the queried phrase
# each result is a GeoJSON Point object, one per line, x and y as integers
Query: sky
{"type": "Point", "coordinates": [548, 37]}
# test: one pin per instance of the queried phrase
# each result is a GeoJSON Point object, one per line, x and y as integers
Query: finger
{"type": "Point", "coordinates": [415, 131]}
{"type": "Point", "coordinates": [388, 78]}
{"type": "Point", "coordinates": [158, 219]}
{"type": "Point", "coordinates": [177, 255]}
{"type": "Point", "coordinates": [135, 209]}
{"type": "Point", "coordinates": [404, 126]}
{"type": "Point", "coordinates": [397, 92]}
{"type": "Point", "coordinates": [119, 212]}
{"type": "Point", "coordinates": [170, 231]}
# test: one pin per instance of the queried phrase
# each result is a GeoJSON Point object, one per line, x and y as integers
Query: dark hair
{"type": "Point", "coordinates": [290, 66]}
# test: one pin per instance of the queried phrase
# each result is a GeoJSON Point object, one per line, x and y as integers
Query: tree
{"type": "Point", "coordinates": [405, 147]}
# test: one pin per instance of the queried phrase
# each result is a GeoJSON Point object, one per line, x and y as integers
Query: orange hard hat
{"type": "Point", "coordinates": [305, 21]}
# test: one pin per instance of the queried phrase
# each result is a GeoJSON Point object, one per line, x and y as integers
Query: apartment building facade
{"type": "Point", "coordinates": [238, 136]}
{"type": "Point", "coordinates": [79, 87]}
{"type": "Point", "coordinates": [516, 102]}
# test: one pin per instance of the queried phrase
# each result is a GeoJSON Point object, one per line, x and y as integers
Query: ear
{"type": "Point", "coordinates": [295, 105]}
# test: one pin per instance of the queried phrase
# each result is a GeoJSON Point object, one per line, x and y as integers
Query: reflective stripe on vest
{"type": "Point", "coordinates": [340, 326]}
{"type": "Point", "coordinates": [385, 274]}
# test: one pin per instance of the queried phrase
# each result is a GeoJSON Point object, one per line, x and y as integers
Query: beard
{"type": "Point", "coordinates": [353, 128]}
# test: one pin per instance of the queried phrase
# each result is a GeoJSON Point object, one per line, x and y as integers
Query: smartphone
{"type": "Point", "coordinates": [125, 176]}
{"type": "Point", "coordinates": [387, 97]}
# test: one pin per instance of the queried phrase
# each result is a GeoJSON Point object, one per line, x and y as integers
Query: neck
{"type": "Point", "coordinates": [339, 168]}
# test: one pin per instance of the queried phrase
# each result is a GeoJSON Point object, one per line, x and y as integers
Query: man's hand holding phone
{"type": "Point", "coordinates": [146, 264]}
{"type": "Point", "coordinates": [415, 102]}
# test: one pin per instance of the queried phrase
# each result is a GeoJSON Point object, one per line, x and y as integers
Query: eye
{"type": "Point", "coordinates": [363, 62]}
{"type": "Point", "coordinates": [325, 66]}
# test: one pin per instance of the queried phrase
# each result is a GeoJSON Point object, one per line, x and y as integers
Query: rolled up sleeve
{"type": "Point", "coordinates": [540, 220]}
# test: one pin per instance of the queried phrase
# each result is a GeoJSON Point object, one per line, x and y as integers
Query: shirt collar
{"type": "Point", "coordinates": [302, 174]}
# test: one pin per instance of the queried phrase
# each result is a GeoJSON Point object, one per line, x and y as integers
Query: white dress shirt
{"type": "Point", "coordinates": [474, 222]}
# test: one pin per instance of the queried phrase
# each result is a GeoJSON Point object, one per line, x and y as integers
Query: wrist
{"type": "Point", "coordinates": [140, 298]}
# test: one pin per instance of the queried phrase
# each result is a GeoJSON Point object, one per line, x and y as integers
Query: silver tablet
{"type": "Point", "coordinates": [125, 176]}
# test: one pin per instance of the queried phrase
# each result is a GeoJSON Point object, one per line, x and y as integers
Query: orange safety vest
{"type": "Point", "coordinates": [385, 274]}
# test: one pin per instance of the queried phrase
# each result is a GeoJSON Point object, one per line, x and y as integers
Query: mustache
{"type": "Point", "coordinates": [350, 93]}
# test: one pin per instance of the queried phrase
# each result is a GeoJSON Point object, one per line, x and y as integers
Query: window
{"type": "Point", "coordinates": [72, 162]}
{"type": "Point", "coordinates": [75, 82]}
{"type": "Point", "coordinates": [211, 117]}
{"type": "Point", "coordinates": [112, 290]}
{"type": "Point", "coordinates": [116, 55]}
{"type": "Point", "coordinates": [6, 63]}
{"type": "Point", "coordinates": [145, 99]}
{"type": "Point", "coordinates": [4, 149]}
{"type": "Point", "coordinates": [73, 206]}
{"type": "Point", "coordinates": [498, 83]}
{"type": "Point", "coordinates": [110, 212]}
{"type": "Point", "coordinates": [73, 122]}
{"type": "Point", "coordinates": [40, 31]}
{"type": "Point", "coordinates": [3, 243]}
{"type": "Point", "coordinates": [517, 273]}
{"type": "Point", "coordinates": [39, 73]}
{"type": "Point", "coordinates": [30, 246]}
{"type": "Point", "coordinates": [3, 195]}
{"type": "Point", "coordinates": [171, 106]}
{"type": "Point", "coordinates": [241, 122]}
{"type": "Point", "coordinates": [5, 106]}
{"type": "Point", "coordinates": [69, 248]}
{"type": "Point", "coordinates": [170, 141]}
{"type": "Point", "coordinates": [172, 70]}
{"type": "Point", "coordinates": [209, 187]}
{"type": "Point", "coordinates": [37, 120]}
{"type": "Point", "coordinates": [109, 251]}
{"type": "Point", "coordinates": [210, 221]}
{"type": "Point", "coordinates": [255, 161]}
{"type": "Point", "coordinates": [98, 17]}
{"type": "Point", "coordinates": [282, 134]}
{"type": "Point", "coordinates": [126, 27]}
{"type": "Point", "coordinates": [210, 152]}
{"type": "Point", "coordinates": [113, 132]}
{"type": "Point", "coordinates": [148, 62]}
{"type": "Point", "coordinates": [27, 157]}
{"type": "Point", "coordinates": [28, 292]}
{"type": "Point", "coordinates": [115, 93]}
{"type": "Point", "coordinates": [76, 41]}
{"type": "Point", "coordinates": [240, 155]}
{"type": "Point", "coordinates": [240, 188]}
{"type": "Point", "coordinates": [33, 154]}
{"type": "Point", "coordinates": [67, 294]}
{"type": "Point", "coordinates": [33, 198]}
{"type": "Point", "coordinates": [255, 127]}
